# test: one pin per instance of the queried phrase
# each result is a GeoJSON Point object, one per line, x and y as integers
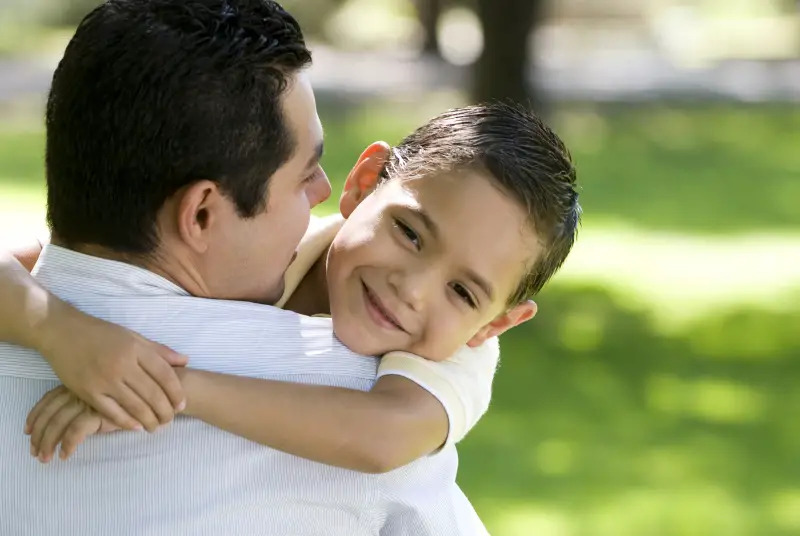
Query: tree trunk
{"type": "Point", "coordinates": [501, 71]}
{"type": "Point", "coordinates": [429, 12]}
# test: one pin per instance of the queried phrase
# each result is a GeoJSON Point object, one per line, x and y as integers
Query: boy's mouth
{"type": "Point", "coordinates": [378, 312]}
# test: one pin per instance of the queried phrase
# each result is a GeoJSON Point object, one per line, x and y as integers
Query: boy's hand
{"type": "Point", "coordinates": [62, 417]}
{"type": "Point", "coordinates": [125, 377]}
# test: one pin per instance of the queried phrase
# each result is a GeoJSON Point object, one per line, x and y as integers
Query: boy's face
{"type": "Point", "coordinates": [424, 265]}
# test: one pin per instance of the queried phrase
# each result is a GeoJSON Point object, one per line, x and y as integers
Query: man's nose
{"type": "Point", "coordinates": [319, 190]}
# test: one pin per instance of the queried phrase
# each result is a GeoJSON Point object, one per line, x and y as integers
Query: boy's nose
{"type": "Point", "coordinates": [411, 288]}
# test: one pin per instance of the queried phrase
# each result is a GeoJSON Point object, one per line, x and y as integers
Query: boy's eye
{"type": "Point", "coordinates": [409, 233]}
{"type": "Point", "coordinates": [311, 177]}
{"type": "Point", "coordinates": [465, 295]}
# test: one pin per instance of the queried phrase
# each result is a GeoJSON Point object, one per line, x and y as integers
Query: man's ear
{"type": "Point", "coordinates": [196, 212]}
{"type": "Point", "coordinates": [513, 317]}
{"type": "Point", "coordinates": [363, 177]}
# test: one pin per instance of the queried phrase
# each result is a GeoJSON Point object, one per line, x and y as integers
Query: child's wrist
{"type": "Point", "coordinates": [187, 379]}
{"type": "Point", "coordinates": [54, 328]}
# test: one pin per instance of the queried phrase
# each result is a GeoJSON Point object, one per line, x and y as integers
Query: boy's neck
{"type": "Point", "coordinates": [311, 296]}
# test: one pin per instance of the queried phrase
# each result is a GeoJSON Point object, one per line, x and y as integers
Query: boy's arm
{"type": "Point", "coordinates": [19, 293]}
{"type": "Point", "coordinates": [462, 383]}
{"type": "Point", "coordinates": [28, 254]}
{"type": "Point", "coordinates": [124, 376]}
{"type": "Point", "coordinates": [374, 432]}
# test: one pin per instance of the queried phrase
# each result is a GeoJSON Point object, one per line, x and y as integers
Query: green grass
{"type": "Point", "coordinates": [656, 393]}
{"type": "Point", "coordinates": [711, 169]}
{"type": "Point", "coordinates": [603, 425]}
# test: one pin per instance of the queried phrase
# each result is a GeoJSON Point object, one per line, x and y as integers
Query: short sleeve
{"type": "Point", "coordinates": [462, 383]}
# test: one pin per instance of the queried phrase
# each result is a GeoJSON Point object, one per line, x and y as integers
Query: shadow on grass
{"type": "Point", "coordinates": [602, 426]}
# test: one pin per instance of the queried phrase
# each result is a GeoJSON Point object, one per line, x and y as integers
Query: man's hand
{"type": "Point", "coordinates": [125, 377]}
{"type": "Point", "coordinates": [62, 417]}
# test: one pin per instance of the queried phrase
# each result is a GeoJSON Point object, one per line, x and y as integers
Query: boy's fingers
{"type": "Point", "coordinates": [109, 408]}
{"type": "Point", "coordinates": [45, 414]}
{"type": "Point", "coordinates": [133, 404]}
{"type": "Point", "coordinates": [150, 391]}
{"type": "Point", "coordinates": [55, 429]}
{"type": "Point", "coordinates": [79, 429]}
{"type": "Point", "coordinates": [40, 405]}
{"type": "Point", "coordinates": [173, 358]}
{"type": "Point", "coordinates": [162, 373]}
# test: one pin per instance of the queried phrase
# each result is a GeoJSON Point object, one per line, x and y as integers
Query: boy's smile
{"type": "Point", "coordinates": [423, 264]}
{"type": "Point", "coordinates": [379, 313]}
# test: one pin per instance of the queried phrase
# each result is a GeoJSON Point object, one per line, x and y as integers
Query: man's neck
{"type": "Point", "coordinates": [169, 267]}
{"type": "Point", "coordinates": [94, 250]}
{"type": "Point", "coordinates": [311, 296]}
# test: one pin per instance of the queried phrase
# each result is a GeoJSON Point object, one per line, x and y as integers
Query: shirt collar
{"type": "Point", "coordinates": [60, 267]}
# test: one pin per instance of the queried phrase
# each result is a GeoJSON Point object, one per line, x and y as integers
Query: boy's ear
{"type": "Point", "coordinates": [513, 317]}
{"type": "Point", "coordinates": [363, 177]}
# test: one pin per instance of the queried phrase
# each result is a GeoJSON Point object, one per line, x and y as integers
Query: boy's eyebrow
{"type": "Point", "coordinates": [482, 283]}
{"type": "Point", "coordinates": [433, 229]}
{"type": "Point", "coordinates": [427, 221]}
{"type": "Point", "coordinates": [317, 156]}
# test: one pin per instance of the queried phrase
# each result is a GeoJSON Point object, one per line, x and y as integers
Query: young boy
{"type": "Point", "coordinates": [444, 240]}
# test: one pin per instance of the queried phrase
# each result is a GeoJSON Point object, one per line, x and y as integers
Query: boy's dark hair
{"type": "Point", "coordinates": [153, 95]}
{"type": "Point", "coordinates": [526, 159]}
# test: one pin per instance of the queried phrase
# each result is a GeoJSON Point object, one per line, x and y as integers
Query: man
{"type": "Point", "coordinates": [183, 151]}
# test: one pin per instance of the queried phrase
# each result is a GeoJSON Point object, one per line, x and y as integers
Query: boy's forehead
{"type": "Point", "coordinates": [474, 222]}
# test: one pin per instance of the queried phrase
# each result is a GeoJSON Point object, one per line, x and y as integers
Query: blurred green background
{"type": "Point", "coordinates": [657, 392]}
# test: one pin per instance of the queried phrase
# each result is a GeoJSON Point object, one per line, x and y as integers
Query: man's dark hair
{"type": "Point", "coordinates": [525, 158]}
{"type": "Point", "coordinates": [153, 95]}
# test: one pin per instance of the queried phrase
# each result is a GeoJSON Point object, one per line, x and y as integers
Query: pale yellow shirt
{"type": "Point", "coordinates": [462, 383]}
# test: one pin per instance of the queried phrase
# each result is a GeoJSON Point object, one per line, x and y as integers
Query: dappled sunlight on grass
{"type": "Point", "coordinates": [709, 399]}
{"type": "Point", "coordinates": [680, 278]}
{"type": "Point", "coordinates": [22, 183]}
{"type": "Point", "coordinates": [719, 169]}
{"type": "Point", "coordinates": [700, 510]}
{"type": "Point", "coordinates": [784, 506]}
{"type": "Point", "coordinates": [582, 330]}
{"type": "Point", "coordinates": [527, 519]}
{"type": "Point", "coordinates": [555, 457]}
{"type": "Point", "coordinates": [643, 433]}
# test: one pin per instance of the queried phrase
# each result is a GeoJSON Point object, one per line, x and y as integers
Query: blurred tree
{"type": "Point", "coordinates": [429, 12]}
{"type": "Point", "coordinates": [312, 15]}
{"type": "Point", "coordinates": [501, 71]}
{"type": "Point", "coordinates": [67, 13]}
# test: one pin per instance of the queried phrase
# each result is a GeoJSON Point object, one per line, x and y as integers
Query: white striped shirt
{"type": "Point", "coordinates": [190, 478]}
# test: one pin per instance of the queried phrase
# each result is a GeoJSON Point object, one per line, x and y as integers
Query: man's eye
{"type": "Point", "coordinates": [465, 295]}
{"type": "Point", "coordinates": [409, 233]}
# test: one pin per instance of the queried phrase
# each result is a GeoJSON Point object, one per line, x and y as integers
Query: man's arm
{"type": "Point", "coordinates": [125, 377]}
{"type": "Point", "coordinates": [374, 432]}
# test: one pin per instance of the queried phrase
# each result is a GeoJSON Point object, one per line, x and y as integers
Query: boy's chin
{"type": "Point", "coordinates": [356, 341]}
{"type": "Point", "coordinates": [359, 347]}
